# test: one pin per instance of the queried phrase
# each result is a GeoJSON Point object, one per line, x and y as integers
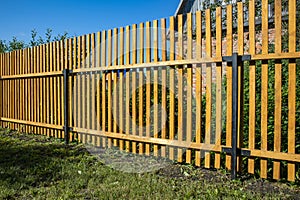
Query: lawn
{"type": "Point", "coordinates": [38, 167]}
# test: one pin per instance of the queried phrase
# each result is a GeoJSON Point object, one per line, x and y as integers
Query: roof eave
{"type": "Point", "coordinates": [181, 4]}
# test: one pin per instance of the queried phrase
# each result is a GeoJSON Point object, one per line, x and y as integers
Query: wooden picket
{"type": "Point", "coordinates": [161, 88]}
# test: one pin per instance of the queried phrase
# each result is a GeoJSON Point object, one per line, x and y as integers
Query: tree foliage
{"type": "Point", "coordinates": [36, 39]}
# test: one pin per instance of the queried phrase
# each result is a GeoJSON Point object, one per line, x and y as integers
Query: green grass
{"type": "Point", "coordinates": [37, 167]}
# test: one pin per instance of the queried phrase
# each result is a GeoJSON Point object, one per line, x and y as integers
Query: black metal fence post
{"type": "Point", "coordinates": [234, 150]}
{"type": "Point", "coordinates": [66, 105]}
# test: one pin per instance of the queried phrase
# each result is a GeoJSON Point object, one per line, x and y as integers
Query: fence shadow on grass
{"type": "Point", "coordinates": [24, 162]}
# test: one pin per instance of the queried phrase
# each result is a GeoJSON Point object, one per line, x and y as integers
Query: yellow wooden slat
{"type": "Point", "coordinates": [269, 56]}
{"type": "Point", "coordinates": [13, 126]}
{"type": "Point", "coordinates": [198, 85]}
{"type": "Point", "coordinates": [28, 112]}
{"type": "Point", "coordinates": [17, 111]}
{"type": "Point", "coordinates": [121, 93]}
{"type": "Point", "coordinates": [54, 86]}
{"type": "Point", "coordinates": [79, 92]}
{"type": "Point", "coordinates": [98, 83]}
{"type": "Point", "coordinates": [89, 86]}
{"type": "Point", "coordinates": [20, 68]}
{"type": "Point", "coordinates": [155, 85]}
{"type": "Point", "coordinates": [148, 85]}
{"type": "Point", "coordinates": [17, 89]}
{"type": "Point", "coordinates": [60, 86]}
{"type": "Point", "coordinates": [21, 97]}
{"type": "Point", "coordinates": [152, 140]}
{"type": "Point", "coordinates": [133, 85]}
{"type": "Point", "coordinates": [8, 88]}
{"type": "Point", "coordinates": [9, 91]}
{"type": "Point", "coordinates": [115, 77]}
{"type": "Point", "coordinates": [89, 92]}
{"type": "Point", "coordinates": [172, 87]}
{"type": "Point", "coordinates": [2, 88]}
{"type": "Point", "coordinates": [240, 89]}
{"type": "Point", "coordinates": [229, 46]}
{"type": "Point", "coordinates": [127, 88]}
{"type": "Point", "coordinates": [40, 91]}
{"type": "Point", "coordinates": [292, 89]}
{"type": "Point", "coordinates": [2, 84]}
{"type": "Point", "coordinates": [141, 86]}
{"type": "Point", "coordinates": [103, 79]}
{"type": "Point", "coordinates": [35, 89]}
{"type": "Point", "coordinates": [69, 65]}
{"type": "Point", "coordinates": [54, 68]}
{"type": "Point", "coordinates": [75, 89]}
{"type": "Point", "coordinates": [50, 85]}
{"type": "Point", "coordinates": [163, 116]}
{"type": "Point", "coordinates": [218, 86]}
{"type": "Point", "coordinates": [165, 64]}
{"type": "Point", "coordinates": [31, 123]}
{"type": "Point", "coordinates": [83, 85]}
{"type": "Point", "coordinates": [109, 86]}
{"type": "Point", "coordinates": [278, 77]}
{"type": "Point", "coordinates": [180, 86]}
{"type": "Point", "coordinates": [275, 155]}
{"type": "Point", "coordinates": [19, 86]}
{"type": "Point", "coordinates": [6, 95]}
{"type": "Point", "coordinates": [93, 107]}
{"type": "Point", "coordinates": [88, 82]}
{"type": "Point", "coordinates": [5, 88]}
{"type": "Point", "coordinates": [252, 82]}
{"type": "Point", "coordinates": [189, 86]}
{"type": "Point", "coordinates": [208, 118]}
{"type": "Point", "coordinates": [15, 104]}
{"type": "Point", "coordinates": [12, 90]}
{"type": "Point", "coordinates": [45, 88]}
{"type": "Point", "coordinates": [42, 94]}
{"type": "Point", "coordinates": [32, 75]}
{"type": "Point", "coordinates": [264, 89]}
{"type": "Point", "coordinates": [13, 66]}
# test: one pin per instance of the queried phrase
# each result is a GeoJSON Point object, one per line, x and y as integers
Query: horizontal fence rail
{"type": "Point", "coordinates": [161, 88]}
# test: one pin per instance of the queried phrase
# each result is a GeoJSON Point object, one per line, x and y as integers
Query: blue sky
{"type": "Point", "coordinates": [19, 17]}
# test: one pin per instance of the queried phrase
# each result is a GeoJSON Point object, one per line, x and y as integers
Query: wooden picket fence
{"type": "Point", "coordinates": [160, 88]}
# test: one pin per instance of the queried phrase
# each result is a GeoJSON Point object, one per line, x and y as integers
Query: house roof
{"type": "Point", "coordinates": [181, 7]}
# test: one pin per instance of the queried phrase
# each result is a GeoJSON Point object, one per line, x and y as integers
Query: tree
{"type": "Point", "coordinates": [3, 46]}
{"type": "Point", "coordinates": [16, 44]}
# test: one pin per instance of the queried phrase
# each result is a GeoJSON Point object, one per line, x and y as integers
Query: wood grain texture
{"type": "Point", "coordinates": [278, 96]}
{"type": "Point", "coordinates": [292, 89]}
{"type": "Point", "coordinates": [252, 83]}
{"type": "Point", "coordinates": [172, 87]}
{"type": "Point", "coordinates": [198, 86]}
{"type": "Point", "coordinates": [229, 51]}
{"type": "Point", "coordinates": [208, 115]}
{"type": "Point", "coordinates": [218, 86]}
{"type": "Point", "coordinates": [264, 89]}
